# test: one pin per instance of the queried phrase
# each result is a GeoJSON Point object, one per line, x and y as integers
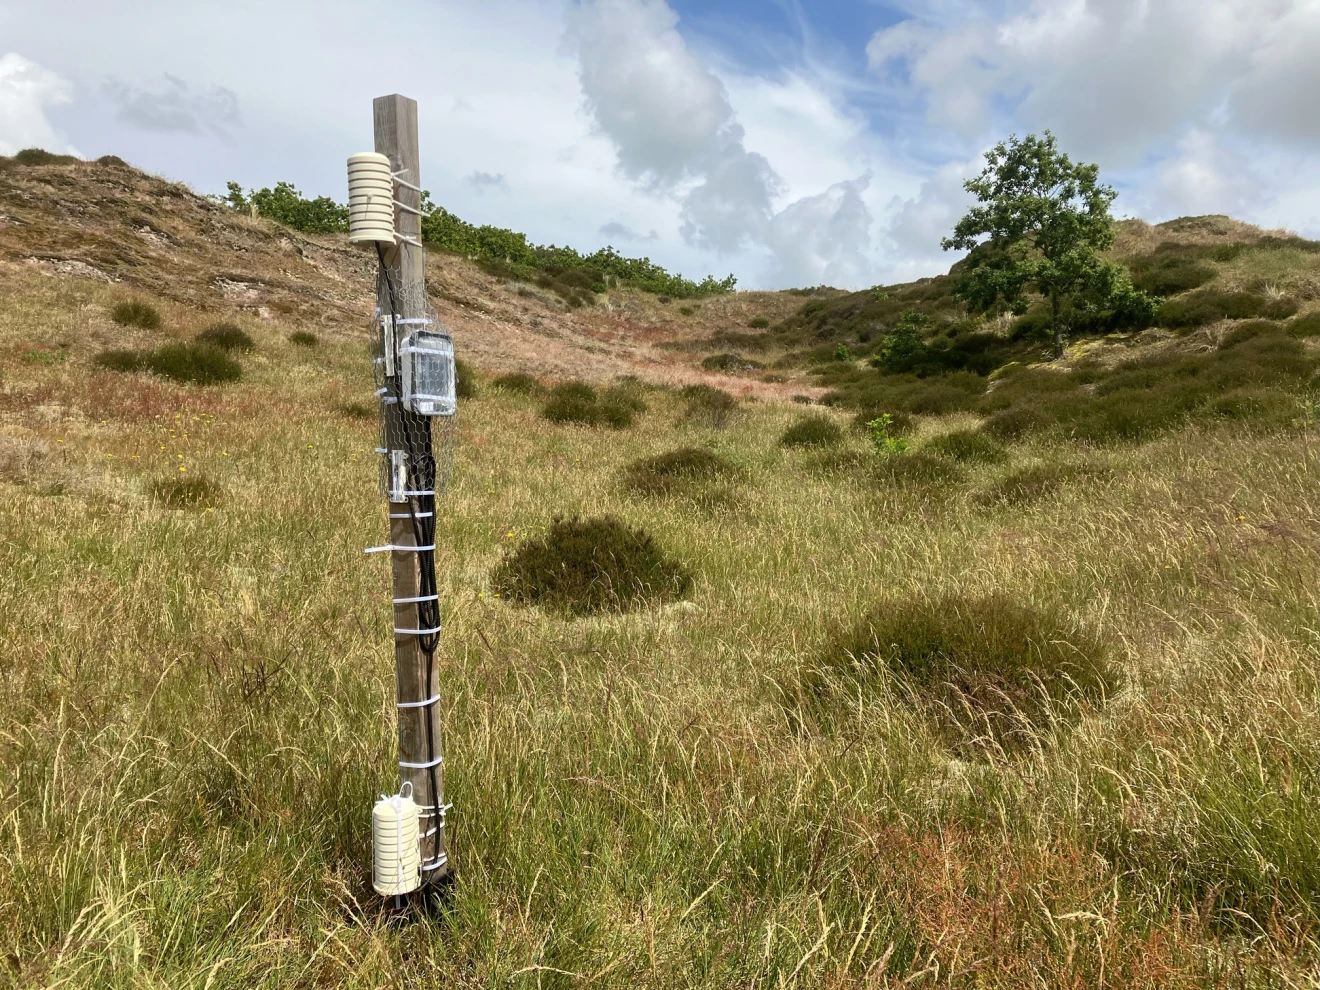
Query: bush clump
{"type": "Point", "coordinates": [968, 445]}
{"type": "Point", "coordinates": [304, 338]}
{"type": "Point", "coordinates": [199, 364]}
{"type": "Point", "coordinates": [465, 380]}
{"type": "Point", "coordinates": [918, 470]}
{"type": "Point", "coordinates": [990, 671]}
{"type": "Point", "coordinates": [136, 313]}
{"type": "Point", "coordinates": [708, 405]}
{"type": "Point", "coordinates": [758, 323]}
{"type": "Point", "coordinates": [578, 402]}
{"type": "Point", "coordinates": [1031, 484]}
{"type": "Point", "coordinates": [584, 566]}
{"type": "Point", "coordinates": [227, 337]}
{"type": "Point", "coordinates": [677, 471]}
{"type": "Point", "coordinates": [730, 363]}
{"type": "Point", "coordinates": [812, 431]}
{"type": "Point", "coordinates": [179, 492]}
{"type": "Point", "coordinates": [1306, 325]}
{"type": "Point", "coordinates": [519, 383]}
{"type": "Point", "coordinates": [39, 156]}
{"type": "Point", "coordinates": [1202, 308]}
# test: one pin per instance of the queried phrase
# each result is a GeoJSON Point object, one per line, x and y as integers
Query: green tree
{"type": "Point", "coordinates": [1042, 223]}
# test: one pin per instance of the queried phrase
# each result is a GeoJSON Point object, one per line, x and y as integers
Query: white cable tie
{"type": "Point", "coordinates": [408, 515]}
{"type": "Point", "coordinates": [422, 766]}
{"type": "Point", "coordinates": [415, 632]}
{"type": "Point", "coordinates": [408, 240]}
{"type": "Point", "coordinates": [416, 319]}
{"type": "Point", "coordinates": [428, 867]}
{"type": "Point", "coordinates": [382, 450]}
{"type": "Point", "coordinates": [411, 601]}
{"type": "Point", "coordinates": [410, 209]}
{"type": "Point", "coordinates": [417, 704]}
{"type": "Point", "coordinates": [395, 546]}
{"type": "Point", "coordinates": [426, 491]}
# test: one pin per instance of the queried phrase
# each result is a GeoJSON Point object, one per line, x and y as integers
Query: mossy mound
{"type": "Point", "coordinates": [991, 672]}
{"type": "Point", "coordinates": [586, 566]}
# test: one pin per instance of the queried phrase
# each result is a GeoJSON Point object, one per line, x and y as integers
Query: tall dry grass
{"type": "Point", "coordinates": [197, 703]}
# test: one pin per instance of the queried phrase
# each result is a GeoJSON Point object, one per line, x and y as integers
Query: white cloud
{"type": "Point", "coordinates": [174, 107]}
{"type": "Point", "coordinates": [824, 239]}
{"type": "Point", "coordinates": [1205, 176]}
{"type": "Point", "coordinates": [26, 92]}
{"type": "Point", "coordinates": [916, 225]}
{"type": "Point", "coordinates": [487, 182]}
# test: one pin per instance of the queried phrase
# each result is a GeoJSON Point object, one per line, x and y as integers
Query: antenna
{"type": "Point", "coordinates": [413, 362]}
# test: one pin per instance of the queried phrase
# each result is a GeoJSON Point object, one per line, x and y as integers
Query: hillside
{"type": "Point", "coordinates": [115, 232]}
{"type": "Point", "coordinates": [745, 688]}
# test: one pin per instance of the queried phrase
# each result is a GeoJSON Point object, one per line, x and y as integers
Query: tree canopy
{"type": "Point", "coordinates": [1042, 222]}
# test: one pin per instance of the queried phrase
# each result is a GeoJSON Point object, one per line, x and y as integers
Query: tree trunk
{"type": "Point", "coordinates": [1057, 325]}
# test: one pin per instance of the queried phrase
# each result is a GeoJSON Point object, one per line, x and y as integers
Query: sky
{"type": "Point", "coordinates": [790, 142]}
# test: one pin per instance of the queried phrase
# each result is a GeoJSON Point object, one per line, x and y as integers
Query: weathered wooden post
{"type": "Point", "coordinates": [415, 378]}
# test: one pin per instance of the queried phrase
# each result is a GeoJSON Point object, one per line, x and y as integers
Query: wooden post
{"type": "Point", "coordinates": [395, 120]}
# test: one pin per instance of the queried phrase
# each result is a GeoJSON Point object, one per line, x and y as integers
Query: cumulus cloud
{"type": "Point", "coordinates": [174, 107]}
{"type": "Point", "coordinates": [616, 231]}
{"type": "Point", "coordinates": [1109, 76]}
{"type": "Point", "coordinates": [1205, 176]}
{"type": "Point", "coordinates": [916, 225]}
{"type": "Point", "coordinates": [27, 91]}
{"type": "Point", "coordinates": [675, 133]}
{"type": "Point", "coordinates": [824, 238]}
{"type": "Point", "coordinates": [670, 120]}
{"type": "Point", "coordinates": [487, 182]}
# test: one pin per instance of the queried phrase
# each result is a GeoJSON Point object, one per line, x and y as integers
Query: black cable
{"type": "Point", "coordinates": [416, 442]}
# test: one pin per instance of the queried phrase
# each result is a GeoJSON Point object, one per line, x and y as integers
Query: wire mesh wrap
{"type": "Point", "coordinates": [417, 454]}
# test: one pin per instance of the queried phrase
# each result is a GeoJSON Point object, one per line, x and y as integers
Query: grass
{"type": "Point", "coordinates": [582, 566]}
{"type": "Point", "coordinates": [968, 445]}
{"type": "Point", "coordinates": [191, 742]}
{"type": "Point", "coordinates": [706, 405]}
{"type": "Point", "coordinates": [304, 338]}
{"type": "Point", "coordinates": [179, 491]}
{"type": "Point", "coordinates": [519, 383]}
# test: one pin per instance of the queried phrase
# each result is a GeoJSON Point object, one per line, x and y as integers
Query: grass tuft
{"type": "Point", "coordinates": [519, 383]}
{"type": "Point", "coordinates": [707, 405]}
{"type": "Point", "coordinates": [304, 338]}
{"type": "Point", "coordinates": [578, 402]}
{"type": "Point", "coordinates": [594, 565]}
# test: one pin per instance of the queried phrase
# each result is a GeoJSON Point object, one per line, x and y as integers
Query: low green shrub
{"type": "Point", "coordinates": [359, 410]}
{"type": "Point", "coordinates": [758, 323]}
{"type": "Point", "coordinates": [1031, 484]}
{"type": "Point", "coordinates": [814, 430]}
{"type": "Point", "coordinates": [465, 380]}
{"type": "Point", "coordinates": [136, 313]}
{"type": "Point", "coordinates": [227, 337]}
{"type": "Point", "coordinates": [186, 491]}
{"type": "Point", "coordinates": [675, 472]}
{"type": "Point", "coordinates": [578, 402]}
{"type": "Point", "coordinates": [199, 364]}
{"type": "Point", "coordinates": [583, 566]}
{"type": "Point", "coordinates": [519, 383]}
{"type": "Point", "coordinates": [119, 360]}
{"type": "Point", "coordinates": [1202, 308]}
{"type": "Point", "coordinates": [707, 405]}
{"type": "Point", "coordinates": [730, 363]}
{"type": "Point", "coordinates": [1257, 407]}
{"type": "Point", "coordinates": [304, 338]}
{"type": "Point", "coordinates": [38, 156]}
{"type": "Point", "coordinates": [992, 673]}
{"type": "Point", "coordinates": [968, 445]}
{"type": "Point", "coordinates": [1306, 325]}
{"type": "Point", "coordinates": [918, 470]}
